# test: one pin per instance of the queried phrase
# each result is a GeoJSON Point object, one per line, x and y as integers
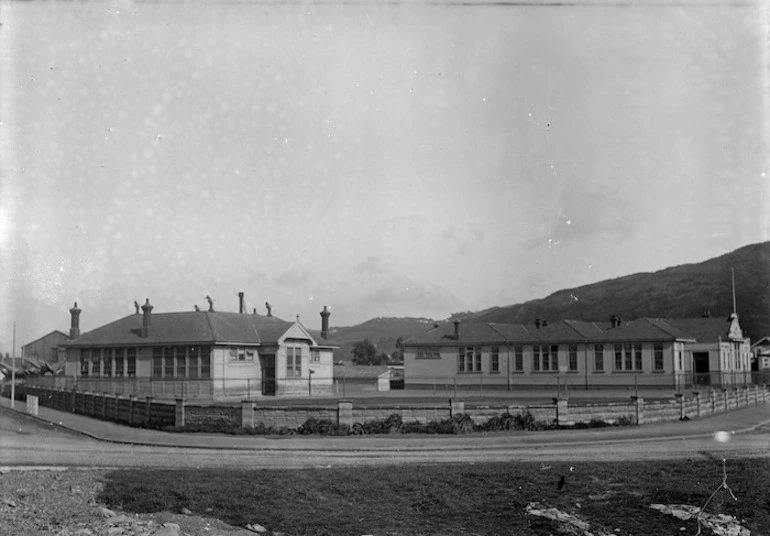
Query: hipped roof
{"type": "Point", "coordinates": [576, 331]}
{"type": "Point", "coordinates": [193, 327]}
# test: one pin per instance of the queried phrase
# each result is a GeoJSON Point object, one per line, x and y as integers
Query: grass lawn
{"type": "Point", "coordinates": [453, 499]}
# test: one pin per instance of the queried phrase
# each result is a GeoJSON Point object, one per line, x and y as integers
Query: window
{"type": "Point", "coordinates": [629, 356]}
{"type": "Point", "coordinates": [546, 361]}
{"type": "Point", "coordinates": [96, 362]}
{"type": "Point", "coordinates": [536, 357]}
{"type": "Point", "coordinates": [157, 362]}
{"type": "Point", "coordinates": [168, 362]}
{"type": "Point", "coordinates": [119, 353]}
{"type": "Point", "coordinates": [205, 354]}
{"type": "Point", "coordinates": [679, 358]}
{"type": "Point", "coordinates": [599, 357]}
{"type": "Point", "coordinates": [494, 360]}
{"type": "Point", "coordinates": [658, 356]}
{"type": "Point", "coordinates": [554, 357]}
{"type": "Point", "coordinates": [107, 359]}
{"type": "Point", "coordinates": [477, 359]}
{"type": "Point", "coordinates": [181, 362]}
{"type": "Point", "coordinates": [638, 356]}
{"type": "Point", "coordinates": [618, 357]}
{"type": "Point", "coordinates": [249, 355]}
{"type": "Point", "coordinates": [293, 361]}
{"type": "Point", "coordinates": [518, 358]}
{"type": "Point", "coordinates": [428, 353]}
{"type": "Point", "coordinates": [573, 357]}
{"type": "Point", "coordinates": [85, 356]}
{"type": "Point", "coordinates": [131, 362]}
{"type": "Point", "coordinates": [241, 354]}
{"type": "Point", "coordinates": [315, 355]}
{"type": "Point", "coordinates": [192, 362]}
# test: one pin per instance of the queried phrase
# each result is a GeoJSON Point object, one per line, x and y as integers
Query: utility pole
{"type": "Point", "coordinates": [13, 369]}
{"type": "Point", "coordinates": [735, 309]}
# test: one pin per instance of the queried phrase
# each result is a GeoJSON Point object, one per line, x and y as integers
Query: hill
{"type": "Point", "coordinates": [679, 291]}
{"type": "Point", "coordinates": [383, 332]}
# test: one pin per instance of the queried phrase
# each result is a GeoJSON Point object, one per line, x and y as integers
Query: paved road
{"type": "Point", "coordinates": [25, 441]}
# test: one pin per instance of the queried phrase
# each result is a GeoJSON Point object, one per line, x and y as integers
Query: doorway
{"type": "Point", "coordinates": [701, 368]}
{"type": "Point", "coordinates": [268, 374]}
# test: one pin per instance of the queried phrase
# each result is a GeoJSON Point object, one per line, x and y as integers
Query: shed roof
{"type": "Point", "coordinates": [361, 371]}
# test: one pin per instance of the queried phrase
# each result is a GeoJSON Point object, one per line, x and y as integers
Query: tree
{"type": "Point", "coordinates": [364, 352]}
{"type": "Point", "coordinates": [398, 354]}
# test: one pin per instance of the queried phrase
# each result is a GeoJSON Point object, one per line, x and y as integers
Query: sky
{"type": "Point", "coordinates": [385, 159]}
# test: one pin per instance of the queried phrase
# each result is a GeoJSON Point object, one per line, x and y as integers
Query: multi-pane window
{"type": "Point", "coordinates": [554, 357]}
{"type": "Point", "coordinates": [536, 357]}
{"type": "Point", "coordinates": [168, 362]}
{"type": "Point", "coordinates": [107, 360]}
{"type": "Point", "coordinates": [96, 362]}
{"type": "Point", "coordinates": [131, 362]}
{"type": "Point", "coordinates": [192, 362]}
{"type": "Point", "coordinates": [293, 361]}
{"type": "Point", "coordinates": [658, 356]}
{"type": "Point", "coordinates": [429, 353]}
{"type": "Point", "coordinates": [315, 356]}
{"type": "Point", "coordinates": [157, 362]}
{"type": "Point", "coordinates": [205, 362]}
{"type": "Point", "coordinates": [546, 357]}
{"type": "Point", "coordinates": [119, 352]}
{"type": "Point", "coordinates": [494, 360]}
{"type": "Point", "coordinates": [628, 357]}
{"type": "Point", "coordinates": [181, 362]}
{"type": "Point", "coordinates": [469, 359]}
{"type": "Point", "coordinates": [518, 358]}
{"type": "Point", "coordinates": [85, 357]}
{"type": "Point", "coordinates": [598, 357]}
{"type": "Point", "coordinates": [573, 357]}
{"type": "Point", "coordinates": [241, 354]}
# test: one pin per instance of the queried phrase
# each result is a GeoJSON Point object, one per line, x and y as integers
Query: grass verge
{"type": "Point", "coordinates": [451, 499]}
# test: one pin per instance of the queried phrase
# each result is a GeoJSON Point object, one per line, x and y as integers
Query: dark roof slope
{"type": "Point", "coordinates": [59, 334]}
{"type": "Point", "coordinates": [202, 327]}
{"type": "Point", "coordinates": [708, 329]}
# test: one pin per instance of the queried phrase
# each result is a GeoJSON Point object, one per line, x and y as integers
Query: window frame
{"type": "Point", "coordinates": [573, 357]}
{"type": "Point", "coordinates": [598, 357]}
{"type": "Point", "coordinates": [494, 359]}
{"type": "Point", "coordinates": [658, 358]}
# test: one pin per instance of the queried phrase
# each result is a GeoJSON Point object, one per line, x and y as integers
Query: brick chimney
{"type": "Point", "coordinates": [457, 330]}
{"type": "Point", "coordinates": [75, 321]}
{"type": "Point", "coordinates": [241, 307]}
{"type": "Point", "coordinates": [325, 323]}
{"type": "Point", "coordinates": [544, 323]}
{"type": "Point", "coordinates": [614, 321]}
{"type": "Point", "coordinates": [537, 323]}
{"type": "Point", "coordinates": [146, 309]}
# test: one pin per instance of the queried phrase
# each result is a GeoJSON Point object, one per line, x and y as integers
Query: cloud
{"type": "Point", "coordinates": [405, 296]}
{"type": "Point", "coordinates": [291, 278]}
{"type": "Point", "coordinates": [372, 265]}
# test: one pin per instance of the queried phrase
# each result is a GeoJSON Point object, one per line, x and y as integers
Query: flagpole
{"type": "Point", "coordinates": [732, 270]}
{"type": "Point", "coordinates": [13, 369]}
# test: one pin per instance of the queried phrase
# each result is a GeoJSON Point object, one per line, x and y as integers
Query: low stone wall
{"type": "Point", "coordinates": [147, 411]}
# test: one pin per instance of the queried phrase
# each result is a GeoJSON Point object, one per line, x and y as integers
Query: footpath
{"type": "Point", "coordinates": [738, 421]}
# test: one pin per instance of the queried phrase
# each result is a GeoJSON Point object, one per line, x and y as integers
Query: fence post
{"type": "Point", "coordinates": [696, 395]}
{"type": "Point", "coordinates": [726, 399]}
{"type": "Point", "coordinates": [562, 410]}
{"type": "Point", "coordinates": [345, 412]}
{"type": "Point", "coordinates": [149, 409]}
{"type": "Point", "coordinates": [179, 412]}
{"type": "Point", "coordinates": [680, 400]}
{"type": "Point", "coordinates": [247, 413]}
{"type": "Point", "coordinates": [639, 403]}
{"type": "Point", "coordinates": [456, 407]}
{"type": "Point", "coordinates": [713, 401]}
{"type": "Point", "coordinates": [131, 402]}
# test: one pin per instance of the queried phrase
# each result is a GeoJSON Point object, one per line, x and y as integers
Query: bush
{"type": "Point", "coordinates": [322, 427]}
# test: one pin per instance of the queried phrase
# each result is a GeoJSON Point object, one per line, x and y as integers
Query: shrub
{"type": "Point", "coordinates": [322, 427]}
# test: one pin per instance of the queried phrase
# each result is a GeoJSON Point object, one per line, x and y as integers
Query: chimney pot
{"type": "Point", "coordinates": [241, 308]}
{"type": "Point", "coordinates": [146, 309]}
{"type": "Point", "coordinates": [544, 323]}
{"type": "Point", "coordinates": [325, 322]}
{"type": "Point", "coordinates": [75, 321]}
{"type": "Point", "coordinates": [457, 330]}
{"type": "Point", "coordinates": [537, 323]}
{"type": "Point", "coordinates": [614, 321]}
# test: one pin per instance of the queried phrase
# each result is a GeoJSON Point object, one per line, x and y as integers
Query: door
{"type": "Point", "coordinates": [701, 364]}
{"type": "Point", "coordinates": [268, 374]}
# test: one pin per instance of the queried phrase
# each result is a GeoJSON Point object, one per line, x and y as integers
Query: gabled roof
{"type": "Point", "coordinates": [60, 334]}
{"type": "Point", "coordinates": [470, 333]}
{"type": "Point", "coordinates": [191, 327]}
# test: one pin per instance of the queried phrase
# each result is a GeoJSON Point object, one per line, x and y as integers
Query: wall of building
{"type": "Point", "coordinates": [45, 348]}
